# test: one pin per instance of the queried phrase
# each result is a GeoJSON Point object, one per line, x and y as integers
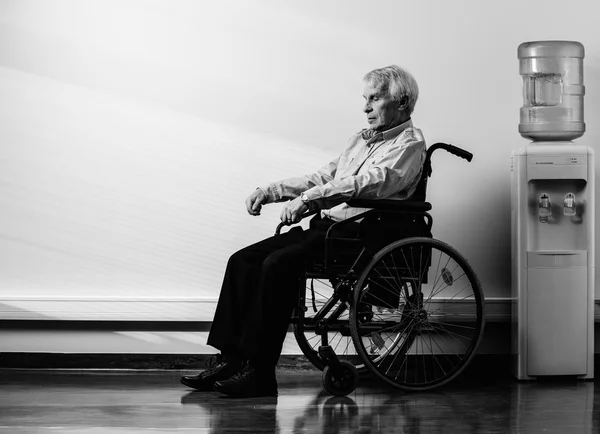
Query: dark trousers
{"type": "Point", "coordinates": [261, 283]}
{"type": "Point", "coordinates": [260, 291]}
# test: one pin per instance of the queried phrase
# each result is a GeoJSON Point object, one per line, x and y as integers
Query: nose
{"type": "Point", "coordinates": [367, 107]}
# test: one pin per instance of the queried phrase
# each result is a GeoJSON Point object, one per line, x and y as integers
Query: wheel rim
{"type": "Point", "coordinates": [420, 305]}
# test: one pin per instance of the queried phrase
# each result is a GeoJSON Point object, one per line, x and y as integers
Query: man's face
{"type": "Point", "coordinates": [382, 112]}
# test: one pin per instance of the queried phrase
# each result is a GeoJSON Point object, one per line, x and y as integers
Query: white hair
{"type": "Point", "coordinates": [398, 82]}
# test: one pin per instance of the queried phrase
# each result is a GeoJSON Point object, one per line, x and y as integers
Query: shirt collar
{"type": "Point", "coordinates": [390, 134]}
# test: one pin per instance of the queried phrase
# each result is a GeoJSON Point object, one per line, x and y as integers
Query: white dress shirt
{"type": "Point", "coordinates": [387, 165]}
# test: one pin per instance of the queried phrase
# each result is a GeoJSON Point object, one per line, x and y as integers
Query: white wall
{"type": "Point", "coordinates": [132, 131]}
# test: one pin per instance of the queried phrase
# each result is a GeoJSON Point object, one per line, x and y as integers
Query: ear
{"type": "Point", "coordinates": [403, 103]}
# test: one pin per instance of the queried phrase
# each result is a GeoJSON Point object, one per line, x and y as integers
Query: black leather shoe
{"type": "Point", "coordinates": [219, 368]}
{"type": "Point", "coordinates": [248, 383]}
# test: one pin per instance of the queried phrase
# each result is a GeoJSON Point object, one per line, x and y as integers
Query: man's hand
{"type": "Point", "coordinates": [255, 202]}
{"type": "Point", "coordinates": [293, 210]}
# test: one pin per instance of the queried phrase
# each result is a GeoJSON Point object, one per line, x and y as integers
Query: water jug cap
{"type": "Point", "coordinates": [551, 49]}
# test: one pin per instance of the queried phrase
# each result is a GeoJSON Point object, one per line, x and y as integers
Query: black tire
{"type": "Point", "coordinates": [427, 313]}
{"type": "Point", "coordinates": [340, 379]}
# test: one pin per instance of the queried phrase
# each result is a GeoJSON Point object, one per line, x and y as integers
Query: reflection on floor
{"type": "Point", "coordinates": [129, 402]}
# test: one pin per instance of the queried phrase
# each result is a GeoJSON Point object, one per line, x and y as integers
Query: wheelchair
{"type": "Point", "coordinates": [407, 308]}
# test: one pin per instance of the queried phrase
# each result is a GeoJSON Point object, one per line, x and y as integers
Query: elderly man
{"type": "Point", "coordinates": [260, 286]}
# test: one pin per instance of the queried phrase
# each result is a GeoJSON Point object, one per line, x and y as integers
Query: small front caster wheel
{"type": "Point", "coordinates": [340, 379]}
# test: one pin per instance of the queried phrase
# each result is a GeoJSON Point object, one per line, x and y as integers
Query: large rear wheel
{"type": "Point", "coordinates": [420, 307]}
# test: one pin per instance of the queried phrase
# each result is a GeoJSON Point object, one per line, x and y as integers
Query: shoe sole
{"type": "Point", "coordinates": [198, 388]}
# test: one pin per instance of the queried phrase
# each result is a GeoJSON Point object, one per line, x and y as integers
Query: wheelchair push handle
{"type": "Point", "coordinates": [455, 150]}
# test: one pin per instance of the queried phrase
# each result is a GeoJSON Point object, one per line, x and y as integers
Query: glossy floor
{"type": "Point", "coordinates": [131, 402]}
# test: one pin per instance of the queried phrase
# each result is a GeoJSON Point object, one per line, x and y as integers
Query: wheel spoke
{"type": "Point", "coordinates": [310, 329]}
{"type": "Point", "coordinates": [432, 333]}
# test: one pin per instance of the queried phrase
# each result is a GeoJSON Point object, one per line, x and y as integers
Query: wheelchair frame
{"type": "Point", "coordinates": [358, 294]}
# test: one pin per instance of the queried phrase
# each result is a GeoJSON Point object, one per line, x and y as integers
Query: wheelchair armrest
{"type": "Point", "coordinates": [376, 205]}
{"type": "Point", "coordinates": [306, 214]}
{"type": "Point", "coordinates": [390, 205]}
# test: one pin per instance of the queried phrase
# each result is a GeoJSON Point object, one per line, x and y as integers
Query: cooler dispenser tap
{"type": "Point", "coordinates": [569, 205]}
{"type": "Point", "coordinates": [544, 208]}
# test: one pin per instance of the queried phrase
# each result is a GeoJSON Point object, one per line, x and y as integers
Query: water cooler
{"type": "Point", "coordinates": [552, 220]}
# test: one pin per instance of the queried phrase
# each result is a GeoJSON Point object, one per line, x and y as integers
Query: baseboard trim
{"type": "Point", "coordinates": [109, 326]}
{"type": "Point", "coordinates": [107, 309]}
{"type": "Point", "coordinates": [74, 361]}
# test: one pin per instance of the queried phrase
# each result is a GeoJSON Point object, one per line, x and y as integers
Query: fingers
{"type": "Point", "coordinates": [292, 212]}
{"type": "Point", "coordinates": [249, 205]}
{"type": "Point", "coordinates": [295, 216]}
{"type": "Point", "coordinates": [256, 206]}
{"type": "Point", "coordinates": [255, 202]}
{"type": "Point", "coordinates": [283, 214]}
{"type": "Point", "coordinates": [287, 214]}
{"type": "Point", "coordinates": [253, 205]}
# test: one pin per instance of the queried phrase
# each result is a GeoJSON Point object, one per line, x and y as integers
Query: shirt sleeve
{"type": "Point", "coordinates": [398, 169]}
{"type": "Point", "coordinates": [291, 188]}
